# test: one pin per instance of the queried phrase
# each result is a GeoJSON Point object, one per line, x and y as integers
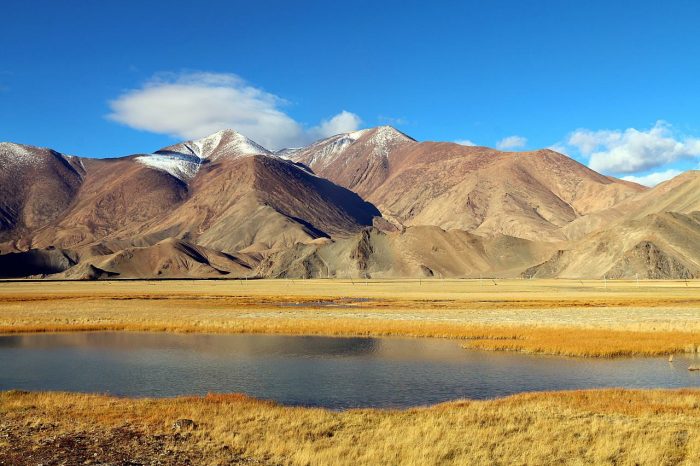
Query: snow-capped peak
{"type": "Point", "coordinates": [184, 160]}
{"type": "Point", "coordinates": [322, 153]}
{"type": "Point", "coordinates": [21, 155]}
{"type": "Point", "coordinates": [385, 135]}
{"type": "Point", "coordinates": [227, 142]}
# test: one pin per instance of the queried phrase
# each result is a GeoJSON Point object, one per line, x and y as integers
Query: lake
{"type": "Point", "coordinates": [330, 372]}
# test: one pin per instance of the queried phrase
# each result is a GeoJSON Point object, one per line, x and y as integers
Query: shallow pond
{"type": "Point", "coordinates": [312, 371]}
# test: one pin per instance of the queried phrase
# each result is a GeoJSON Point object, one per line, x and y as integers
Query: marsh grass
{"type": "Point", "coordinates": [558, 317]}
{"type": "Point", "coordinates": [550, 316]}
{"type": "Point", "coordinates": [579, 427]}
{"type": "Point", "coordinates": [579, 342]}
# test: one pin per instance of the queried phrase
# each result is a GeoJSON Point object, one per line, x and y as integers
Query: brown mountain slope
{"type": "Point", "coordinates": [661, 245]}
{"type": "Point", "coordinates": [358, 161]}
{"type": "Point", "coordinates": [421, 251]}
{"type": "Point", "coordinates": [263, 202]}
{"type": "Point", "coordinates": [225, 206]}
{"type": "Point", "coordinates": [36, 185]}
{"type": "Point", "coordinates": [169, 258]}
{"type": "Point", "coordinates": [227, 197]}
{"type": "Point", "coordinates": [680, 194]}
{"type": "Point", "coordinates": [529, 195]}
{"type": "Point", "coordinates": [119, 198]}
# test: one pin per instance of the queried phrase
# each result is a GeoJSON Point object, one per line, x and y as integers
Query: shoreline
{"type": "Point", "coordinates": [496, 339]}
{"type": "Point", "coordinates": [534, 316]}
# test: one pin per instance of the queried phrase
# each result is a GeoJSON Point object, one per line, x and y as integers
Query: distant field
{"type": "Point", "coordinates": [569, 317]}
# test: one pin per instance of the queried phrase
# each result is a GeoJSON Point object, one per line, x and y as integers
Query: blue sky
{"type": "Point", "coordinates": [613, 84]}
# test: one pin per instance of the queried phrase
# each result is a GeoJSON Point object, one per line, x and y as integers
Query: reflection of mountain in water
{"type": "Point", "coordinates": [217, 345]}
{"type": "Point", "coordinates": [311, 371]}
{"type": "Point", "coordinates": [330, 346]}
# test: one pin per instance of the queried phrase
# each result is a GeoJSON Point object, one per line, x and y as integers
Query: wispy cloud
{"type": "Point", "coordinates": [193, 105]}
{"type": "Point", "coordinates": [395, 121]}
{"type": "Point", "coordinates": [559, 147]}
{"type": "Point", "coordinates": [631, 150]}
{"type": "Point", "coordinates": [511, 142]}
{"type": "Point", "coordinates": [465, 142]}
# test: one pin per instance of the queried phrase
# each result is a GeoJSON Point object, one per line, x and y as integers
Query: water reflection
{"type": "Point", "coordinates": [316, 371]}
{"type": "Point", "coordinates": [223, 345]}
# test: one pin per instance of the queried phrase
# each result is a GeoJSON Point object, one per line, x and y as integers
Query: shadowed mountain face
{"type": "Point", "coordinates": [372, 202]}
{"type": "Point", "coordinates": [36, 186]}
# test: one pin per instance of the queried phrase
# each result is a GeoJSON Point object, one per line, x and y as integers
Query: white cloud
{"type": "Point", "coordinates": [193, 105]}
{"type": "Point", "coordinates": [511, 142]}
{"type": "Point", "coordinates": [632, 150]}
{"type": "Point", "coordinates": [464, 142]}
{"type": "Point", "coordinates": [652, 179]}
{"type": "Point", "coordinates": [341, 123]}
{"type": "Point", "coordinates": [559, 147]}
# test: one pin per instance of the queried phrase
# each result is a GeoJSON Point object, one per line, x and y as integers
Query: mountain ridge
{"type": "Point", "coordinates": [368, 202]}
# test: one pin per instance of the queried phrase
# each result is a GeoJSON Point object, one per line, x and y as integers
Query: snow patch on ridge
{"type": "Point", "coordinates": [358, 134]}
{"type": "Point", "coordinates": [325, 150]}
{"type": "Point", "coordinates": [227, 142]}
{"type": "Point", "coordinates": [321, 154]}
{"type": "Point", "coordinates": [288, 152]}
{"type": "Point", "coordinates": [184, 160]}
{"type": "Point", "coordinates": [384, 139]}
{"type": "Point", "coordinates": [18, 155]}
{"type": "Point", "coordinates": [181, 166]}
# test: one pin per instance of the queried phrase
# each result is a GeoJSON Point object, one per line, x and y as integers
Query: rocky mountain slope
{"type": "Point", "coordinates": [655, 234]}
{"type": "Point", "coordinates": [659, 245]}
{"type": "Point", "coordinates": [36, 186]}
{"type": "Point", "coordinates": [529, 195]}
{"type": "Point", "coordinates": [373, 202]}
{"type": "Point", "coordinates": [680, 194]}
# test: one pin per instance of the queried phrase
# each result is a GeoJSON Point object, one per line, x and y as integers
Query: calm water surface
{"type": "Point", "coordinates": [312, 371]}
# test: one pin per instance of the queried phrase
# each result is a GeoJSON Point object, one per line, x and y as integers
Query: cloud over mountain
{"type": "Point", "coordinates": [193, 105]}
{"type": "Point", "coordinates": [652, 179]}
{"type": "Point", "coordinates": [631, 150]}
{"type": "Point", "coordinates": [465, 142]}
{"type": "Point", "coordinates": [343, 122]}
{"type": "Point", "coordinates": [511, 142]}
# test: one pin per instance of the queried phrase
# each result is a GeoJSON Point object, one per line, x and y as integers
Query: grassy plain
{"type": "Point", "coordinates": [583, 427]}
{"type": "Point", "coordinates": [578, 318]}
{"type": "Point", "coordinates": [567, 317]}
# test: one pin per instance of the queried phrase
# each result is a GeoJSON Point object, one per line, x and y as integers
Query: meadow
{"type": "Point", "coordinates": [575, 318]}
{"type": "Point", "coordinates": [565, 317]}
{"type": "Point", "coordinates": [580, 427]}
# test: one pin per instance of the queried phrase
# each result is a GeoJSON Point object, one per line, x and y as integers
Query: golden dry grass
{"type": "Point", "coordinates": [555, 316]}
{"type": "Point", "coordinates": [581, 427]}
{"type": "Point", "coordinates": [568, 317]}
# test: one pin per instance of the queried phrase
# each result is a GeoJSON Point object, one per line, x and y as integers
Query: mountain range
{"type": "Point", "coordinates": [369, 203]}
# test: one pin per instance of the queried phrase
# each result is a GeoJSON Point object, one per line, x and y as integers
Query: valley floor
{"type": "Point", "coordinates": [578, 318]}
{"type": "Point", "coordinates": [567, 317]}
{"type": "Point", "coordinates": [580, 427]}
